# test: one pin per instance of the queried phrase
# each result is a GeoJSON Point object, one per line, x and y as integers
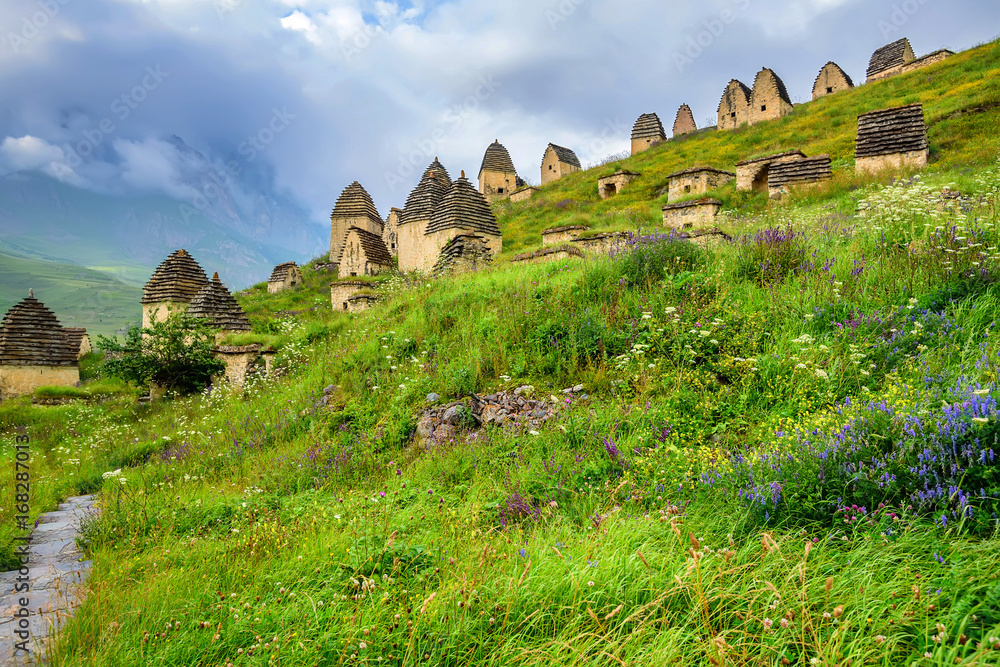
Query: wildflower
{"type": "Point", "coordinates": [879, 639]}
{"type": "Point", "coordinates": [590, 583]}
{"type": "Point", "coordinates": [821, 374]}
{"type": "Point", "coordinates": [981, 420]}
{"type": "Point", "coordinates": [767, 624]}
{"type": "Point", "coordinates": [670, 310]}
{"type": "Point", "coordinates": [784, 624]}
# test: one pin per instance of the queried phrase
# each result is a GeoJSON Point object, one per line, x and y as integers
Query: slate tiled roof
{"type": "Point", "coordinates": [891, 55]}
{"type": "Point", "coordinates": [425, 199]}
{"type": "Point", "coordinates": [465, 250]}
{"type": "Point", "coordinates": [355, 202]}
{"type": "Point", "coordinates": [281, 272]}
{"type": "Point", "coordinates": [497, 159]}
{"type": "Point", "coordinates": [705, 201]}
{"type": "Point", "coordinates": [30, 335]}
{"type": "Point", "coordinates": [217, 305]}
{"type": "Point", "coordinates": [437, 169]}
{"type": "Point", "coordinates": [698, 170]}
{"type": "Point", "coordinates": [177, 279]}
{"type": "Point", "coordinates": [807, 170]}
{"type": "Point", "coordinates": [373, 246]}
{"type": "Point", "coordinates": [75, 336]}
{"type": "Point", "coordinates": [463, 207]}
{"type": "Point", "coordinates": [563, 155]}
{"type": "Point", "coordinates": [890, 131]}
{"type": "Point", "coordinates": [769, 158]}
{"type": "Point", "coordinates": [647, 126]}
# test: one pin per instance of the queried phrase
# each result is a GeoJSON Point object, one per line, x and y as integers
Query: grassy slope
{"type": "Point", "coordinates": [960, 98]}
{"type": "Point", "coordinates": [80, 297]}
{"type": "Point", "coordinates": [256, 525]}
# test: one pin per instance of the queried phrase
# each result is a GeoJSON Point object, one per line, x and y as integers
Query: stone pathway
{"type": "Point", "coordinates": [57, 578]}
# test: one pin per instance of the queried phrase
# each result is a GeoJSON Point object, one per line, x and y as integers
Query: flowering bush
{"type": "Point", "coordinates": [771, 254]}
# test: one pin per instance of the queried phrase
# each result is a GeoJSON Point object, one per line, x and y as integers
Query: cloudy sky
{"type": "Point", "coordinates": [313, 94]}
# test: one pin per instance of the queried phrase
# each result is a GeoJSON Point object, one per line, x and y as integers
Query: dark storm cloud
{"type": "Point", "coordinates": [374, 90]}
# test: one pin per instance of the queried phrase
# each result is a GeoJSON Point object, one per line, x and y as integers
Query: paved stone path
{"type": "Point", "coordinates": [57, 578]}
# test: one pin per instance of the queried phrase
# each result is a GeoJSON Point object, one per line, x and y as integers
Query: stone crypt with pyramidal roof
{"type": "Point", "coordinates": [35, 350]}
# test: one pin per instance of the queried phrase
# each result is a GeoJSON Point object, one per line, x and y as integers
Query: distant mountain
{"type": "Point", "coordinates": [85, 252]}
{"type": "Point", "coordinates": [240, 235]}
{"type": "Point", "coordinates": [80, 297]}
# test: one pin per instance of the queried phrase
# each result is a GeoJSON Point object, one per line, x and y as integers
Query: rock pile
{"type": "Point", "coordinates": [508, 409]}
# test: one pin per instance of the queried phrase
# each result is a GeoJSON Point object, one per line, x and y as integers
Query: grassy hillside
{"type": "Point", "coordinates": [784, 451]}
{"type": "Point", "coordinates": [961, 99]}
{"type": "Point", "coordinates": [80, 297]}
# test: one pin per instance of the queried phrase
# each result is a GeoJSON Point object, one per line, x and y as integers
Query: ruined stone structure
{"type": "Point", "coordinates": [390, 231]}
{"type": "Point", "coordinates": [734, 107]}
{"type": "Point", "coordinates": [691, 214]}
{"type": "Point", "coordinates": [497, 177]}
{"type": "Point", "coordinates": [831, 79]}
{"type": "Point", "coordinates": [558, 162]}
{"type": "Point", "coordinates": [342, 290]}
{"type": "Point", "coordinates": [898, 58]}
{"type": "Point", "coordinates": [611, 185]}
{"type": "Point", "coordinates": [696, 181]}
{"type": "Point", "coordinates": [549, 254]}
{"type": "Point", "coordinates": [684, 122]}
{"type": "Point", "coordinates": [891, 138]}
{"type": "Point", "coordinates": [35, 350]}
{"type": "Point", "coordinates": [796, 173]}
{"type": "Point", "coordinates": [354, 208]}
{"type": "Point", "coordinates": [465, 252]}
{"type": "Point", "coordinates": [219, 308]}
{"type": "Point", "coordinates": [647, 131]}
{"type": "Point", "coordinates": [284, 277]}
{"type": "Point", "coordinates": [889, 60]}
{"type": "Point", "coordinates": [364, 254]}
{"type": "Point", "coordinates": [239, 359]}
{"type": "Point", "coordinates": [705, 237]}
{"type": "Point", "coordinates": [360, 302]}
{"type": "Point", "coordinates": [769, 98]}
{"type": "Point", "coordinates": [752, 174]}
{"type": "Point", "coordinates": [926, 61]}
{"type": "Point", "coordinates": [79, 339]}
{"type": "Point", "coordinates": [174, 284]}
{"type": "Point", "coordinates": [557, 235]}
{"type": "Point", "coordinates": [414, 253]}
{"type": "Point", "coordinates": [523, 194]}
{"type": "Point", "coordinates": [600, 244]}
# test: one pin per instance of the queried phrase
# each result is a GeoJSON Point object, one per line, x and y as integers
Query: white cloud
{"type": "Point", "coordinates": [155, 165]}
{"type": "Point", "coordinates": [299, 22]}
{"type": "Point", "coordinates": [30, 153]}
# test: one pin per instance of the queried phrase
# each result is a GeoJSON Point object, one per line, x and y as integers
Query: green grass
{"type": "Point", "coordinates": [695, 507]}
{"type": "Point", "coordinates": [80, 297]}
{"type": "Point", "coordinates": [961, 101]}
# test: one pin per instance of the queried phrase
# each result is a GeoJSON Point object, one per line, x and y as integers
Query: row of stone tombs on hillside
{"type": "Point", "coordinates": [768, 99]}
